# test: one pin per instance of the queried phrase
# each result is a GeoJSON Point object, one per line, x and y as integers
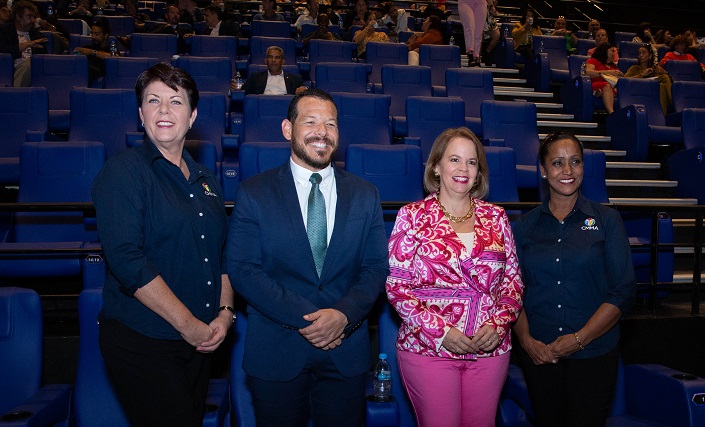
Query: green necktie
{"type": "Point", "coordinates": [316, 227]}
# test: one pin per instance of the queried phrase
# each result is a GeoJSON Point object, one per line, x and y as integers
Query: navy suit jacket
{"type": "Point", "coordinates": [271, 266]}
{"type": "Point", "coordinates": [257, 83]}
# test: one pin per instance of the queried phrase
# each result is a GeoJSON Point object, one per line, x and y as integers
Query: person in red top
{"type": "Point", "coordinates": [602, 64]}
{"type": "Point", "coordinates": [679, 44]}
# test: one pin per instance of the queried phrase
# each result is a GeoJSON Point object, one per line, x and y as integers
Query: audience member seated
{"type": "Point", "coordinates": [274, 81]}
{"type": "Point", "coordinates": [679, 44]}
{"type": "Point", "coordinates": [397, 20]}
{"type": "Point", "coordinates": [5, 13]}
{"type": "Point", "coordinates": [649, 68]}
{"type": "Point", "coordinates": [523, 34]}
{"type": "Point", "coordinates": [662, 38]}
{"type": "Point", "coordinates": [21, 40]}
{"type": "Point", "coordinates": [643, 35]}
{"type": "Point", "coordinates": [190, 13]}
{"type": "Point", "coordinates": [213, 16]}
{"type": "Point", "coordinates": [82, 11]}
{"type": "Point", "coordinates": [490, 34]}
{"type": "Point", "coordinates": [593, 26]}
{"type": "Point", "coordinates": [309, 16]}
{"type": "Point", "coordinates": [600, 38]}
{"type": "Point", "coordinates": [98, 49]}
{"type": "Point", "coordinates": [431, 34]}
{"type": "Point", "coordinates": [321, 32]}
{"type": "Point", "coordinates": [356, 16]}
{"type": "Point", "coordinates": [693, 45]}
{"type": "Point", "coordinates": [269, 12]}
{"type": "Point", "coordinates": [173, 25]}
{"type": "Point", "coordinates": [599, 66]}
{"type": "Point", "coordinates": [560, 29]}
{"type": "Point", "coordinates": [368, 34]}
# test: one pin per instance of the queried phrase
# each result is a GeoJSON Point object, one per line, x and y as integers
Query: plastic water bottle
{"type": "Point", "coordinates": [113, 48]}
{"type": "Point", "coordinates": [506, 33]}
{"type": "Point", "coordinates": [583, 69]}
{"type": "Point", "coordinates": [50, 10]}
{"type": "Point", "coordinates": [238, 81]}
{"type": "Point", "coordinates": [451, 41]}
{"type": "Point", "coordinates": [383, 380]}
{"type": "Point", "coordinates": [541, 47]}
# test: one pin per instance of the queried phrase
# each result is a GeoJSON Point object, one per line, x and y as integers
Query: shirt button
{"type": "Point", "coordinates": [558, 259]}
{"type": "Point", "coordinates": [202, 236]}
{"type": "Point", "coordinates": [190, 195]}
{"type": "Point", "coordinates": [200, 214]}
{"type": "Point", "coordinates": [562, 222]}
{"type": "Point", "coordinates": [560, 329]}
{"type": "Point", "coordinates": [559, 240]}
{"type": "Point", "coordinates": [208, 305]}
{"type": "Point", "coordinates": [559, 306]}
{"type": "Point", "coordinates": [205, 259]}
{"type": "Point", "coordinates": [209, 282]}
{"type": "Point", "coordinates": [559, 282]}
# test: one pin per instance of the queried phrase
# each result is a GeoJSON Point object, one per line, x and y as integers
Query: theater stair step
{"type": "Point", "coordinates": [554, 116]}
{"type": "Point", "coordinates": [651, 188]}
{"type": "Point", "coordinates": [634, 170]}
{"type": "Point", "coordinates": [652, 201]}
{"type": "Point", "coordinates": [501, 81]}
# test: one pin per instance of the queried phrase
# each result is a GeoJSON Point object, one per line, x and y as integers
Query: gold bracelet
{"type": "Point", "coordinates": [580, 343]}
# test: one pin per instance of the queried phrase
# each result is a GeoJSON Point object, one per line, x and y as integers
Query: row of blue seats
{"type": "Point", "coordinates": [646, 395]}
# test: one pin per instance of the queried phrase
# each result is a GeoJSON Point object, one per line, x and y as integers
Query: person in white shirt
{"type": "Point", "coordinates": [274, 81]}
{"type": "Point", "coordinates": [395, 16]}
{"type": "Point", "coordinates": [310, 17]}
{"type": "Point", "coordinates": [213, 16]}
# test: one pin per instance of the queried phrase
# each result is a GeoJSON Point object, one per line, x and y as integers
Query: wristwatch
{"type": "Point", "coordinates": [230, 309]}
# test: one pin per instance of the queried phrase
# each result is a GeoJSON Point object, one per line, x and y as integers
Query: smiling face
{"type": "Point", "coordinates": [173, 15]}
{"type": "Point", "coordinates": [274, 61]}
{"type": "Point", "coordinates": [98, 37]}
{"type": "Point", "coordinates": [166, 115]}
{"type": "Point", "coordinates": [593, 26]}
{"type": "Point", "coordinates": [457, 168]}
{"type": "Point", "coordinates": [313, 134]}
{"type": "Point", "coordinates": [563, 168]}
{"type": "Point", "coordinates": [600, 37]}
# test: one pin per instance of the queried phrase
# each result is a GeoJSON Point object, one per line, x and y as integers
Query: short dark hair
{"type": "Point", "coordinates": [679, 39]}
{"type": "Point", "coordinates": [642, 28]}
{"type": "Point", "coordinates": [214, 9]}
{"type": "Point", "coordinates": [600, 52]}
{"type": "Point", "coordinates": [435, 23]}
{"type": "Point", "coordinates": [175, 78]}
{"type": "Point", "coordinates": [293, 112]}
{"type": "Point", "coordinates": [103, 24]}
{"type": "Point", "coordinates": [547, 142]}
{"type": "Point", "coordinates": [22, 6]}
{"type": "Point", "coordinates": [388, 6]}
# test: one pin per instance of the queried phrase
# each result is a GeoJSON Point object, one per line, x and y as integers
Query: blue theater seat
{"type": "Point", "coordinates": [502, 165]}
{"type": "Point", "coordinates": [402, 81]}
{"type": "Point", "coordinates": [257, 157]}
{"type": "Point", "coordinates": [629, 49]}
{"type": "Point", "coordinates": [271, 29]}
{"type": "Point", "coordinates": [427, 117]}
{"type": "Point", "coordinates": [78, 40]}
{"type": "Point", "coordinates": [23, 111]}
{"type": "Point", "coordinates": [550, 63]}
{"type": "Point", "coordinates": [472, 85]}
{"type": "Point", "coordinates": [212, 123]}
{"type": "Point", "coordinates": [121, 72]}
{"type": "Point", "coordinates": [211, 74]}
{"type": "Point", "coordinates": [362, 111]}
{"type": "Point", "coordinates": [59, 74]}
{"type": "Point", "coordinates": [7, 70]}
{"type": "Point", "coordinates": [379, 54]}
{"type": "Point", "coordinates": [688, 95]}
{"type": "Point", "coordinates": [23, 402]}
{"type": "Point", "coordinates": [684, 71]}
{"type": "Point", "coordinates": [584, 45]}
{"type": "Point", "coordinates": [121, 25]}
{"type": "Point", "coordinates": [693, 127]}
{"type": "Point", "coordinates": [688, 168]}
{"type": "Point", "coordinates": [623, 36]}
{"type": "Point", "coordinates": [161, 46]}
{"type": "Point", "coordinates": [205, 45]}
{"type": "Point", "coordinates": [341, 77]}
{"type": "Point", "coordinates": [640, 121]}
{"type": "Point", "coordinates": [73, 26]}
{"type": "Point", "coordinates": [327, 51]}
{"type": "Point", "coordinates": [513, 124]}
{"type": "Point", "coordinates": [95, 402]}
{"type": "Point", "coordinates": [576, 93]}
{"type": "Point", "coordinates": [439, 58]}
{"type": "Point", "coordinates": [55, 172]}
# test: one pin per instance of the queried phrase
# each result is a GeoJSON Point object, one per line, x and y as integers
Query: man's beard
{"type": "Point", "coordinates": [315, 162]}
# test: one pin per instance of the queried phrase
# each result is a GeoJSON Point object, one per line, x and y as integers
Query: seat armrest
{"type": "Point", "coordinates": [399, 127]}
{"type": "Point", "coordinates": [50, 405]}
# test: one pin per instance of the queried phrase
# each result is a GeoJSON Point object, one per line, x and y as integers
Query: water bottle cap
{"type": "Point", "coordinates": [383, 356]}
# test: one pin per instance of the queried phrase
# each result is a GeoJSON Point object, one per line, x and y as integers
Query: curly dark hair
{"type": "Point", "coordinates": [600, 52]}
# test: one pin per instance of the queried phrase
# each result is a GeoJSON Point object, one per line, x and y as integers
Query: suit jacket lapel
{"type": "Point", "coordinates": [342, 209]}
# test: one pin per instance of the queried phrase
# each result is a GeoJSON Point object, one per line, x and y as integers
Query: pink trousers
{"type": "Point", "coordinates": [473, 14]}
{"type": "Point", "coordinates": [453, 393]}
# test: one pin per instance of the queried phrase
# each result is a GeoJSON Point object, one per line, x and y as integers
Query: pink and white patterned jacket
{"type": "Point", "coordinates": [436, 283]}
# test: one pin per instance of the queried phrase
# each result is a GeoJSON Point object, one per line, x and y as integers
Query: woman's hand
{"type": "Point", "coordinates": [612, 73]}
{"type": "Point", "coordinates": [539, 352]}
{"type": "Point", "coordinates": [648, 72]}
{"type": "Point", "coordinates": [486, 339]}
{"type": "Point", "coordinates": [458, 343]}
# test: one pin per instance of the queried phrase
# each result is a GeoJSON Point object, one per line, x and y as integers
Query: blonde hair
{"type": "Point", "coordinates": [432, 182]}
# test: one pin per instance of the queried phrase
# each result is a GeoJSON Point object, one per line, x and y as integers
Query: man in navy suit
{"type": "Point", "coordinates": [274, 81]}
{"type": "Point", "coordinates": [307, 349]}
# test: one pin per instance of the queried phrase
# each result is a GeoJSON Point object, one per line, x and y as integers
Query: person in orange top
{"type": "Point", "coordinates": [679, 44]}
{"type": "Point", "coordinates": [431, 34]}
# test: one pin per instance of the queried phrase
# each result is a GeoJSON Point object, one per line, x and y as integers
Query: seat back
{"type": "Point", "coordinates": [59, 74]}
{"type": "Point", "coordinates": [473, 85]}
{"type": "Point", "coordinates": [402, 81]}
{"type": "Point", "coordinates": [625, 63]}
{"type": "Point", "coordinates": [555, 47]}
{"type": "Point", "coordinates": [73, 26]}
{"type": "Point", "coordinates": [260, 44]}
{"type": "Point", "coordinates": [575, 63]}
{"type": "Point", "coordinates": [121, 25]}
{"type": "Point", "coordinates": [211, 122]}
{"type": "Point", "coordinates": [379, 54]}
{"type": "Point", "coordinates": [7, 70]}
{"type": "Point", "coordinates": [502, 167]}
{"type": "Point", "coordinates": [341, 77]}
{"type": "Point", "coordinates": [688, 168]}
{"type": "Point", "coordinates": [21, 346]}
{"type": "Point", "coordinates": [329, 51]}
{"type": "Point", "coordinates": [211, 74]}
{"type": "Point", "coordinates": [257, 157]}
{"type": "Point", "coordinates": [121, 72]}
{"type": "Point", "coordinates": [439, 58]}
{"type": "Point", "coordinates": [205, 45]}
{"type": "Point", "coordinates": [515, 123]}
{"type": "Point", "coordinates": [684, 71]}
{"type": "Point", "coordinates": [584, 45]}
{"type": "Point", "coordinates": [428, 116]}
{"type": "Point", "coordinates": [623, 36]}
{"type": "Point", "coordinates": [57, 172]}
{"type": "Point", "coordinates": [271, 29]}
{"type": "Point", "coordinates": [396, 170]}
{"type": "Point", "coordinates": [21, 109]}
{"type": "Point", "coordinates": [688, 95]}
{"type": "Point", "coordinates": [693, 127]}
{"type": "Point", "coordinates": [104, 115]}
{"type": "Point", "coordinates": [362, 111]}
{"type": "Point", "coordinates": [161, 46]}
{"type": "Point", "coordinates": [256, 68]}
{"type": "Point", "coordinates": [78, 40]}
{"type": "Point", "coordinates": [629, 49]}
{"type": "Point", "coordinates": [645, 92]}
{"type": "Point", "coordinates": [594, 186]}
{"type": "Point", "coordinates": [262, 117]}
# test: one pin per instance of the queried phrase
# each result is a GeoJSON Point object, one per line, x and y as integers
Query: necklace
{"type": "Point", "coordinates": [458, 219]}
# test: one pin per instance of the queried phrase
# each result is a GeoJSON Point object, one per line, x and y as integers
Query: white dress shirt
{"type": "Point", "coordinates": [327, 187]}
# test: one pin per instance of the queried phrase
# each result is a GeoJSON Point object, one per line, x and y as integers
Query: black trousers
{"type": "Point", "coordinates": [319, 392]}
{"type": "Point", "coordinates": [158, 382]}
{"type": "Point", "coordinates": [573, 392]}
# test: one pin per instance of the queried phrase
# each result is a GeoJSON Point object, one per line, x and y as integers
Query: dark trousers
{"type": "Point", "coordinates": [158, 382]}
{"type": "Point", "coordinates": [573, 392]}
{"type": "Point", "coordinates": [319, 392]}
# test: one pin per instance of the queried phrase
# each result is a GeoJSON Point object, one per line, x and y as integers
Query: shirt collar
{"type": "Point", "coordinates": [582, 204]}
{"type": "Point", "coordinates": [152, 154]}
{"type": "Point", "coordinates": [302, 174]}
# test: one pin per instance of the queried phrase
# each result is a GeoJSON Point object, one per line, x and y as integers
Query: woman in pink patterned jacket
{"type": "Point", "coordinates": [455, 282]}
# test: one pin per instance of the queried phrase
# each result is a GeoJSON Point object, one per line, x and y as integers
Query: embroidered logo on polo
{"type": "Point", "coordinates": [208, 191]}
{"type": "Point", "coordinates": [590, 224]}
